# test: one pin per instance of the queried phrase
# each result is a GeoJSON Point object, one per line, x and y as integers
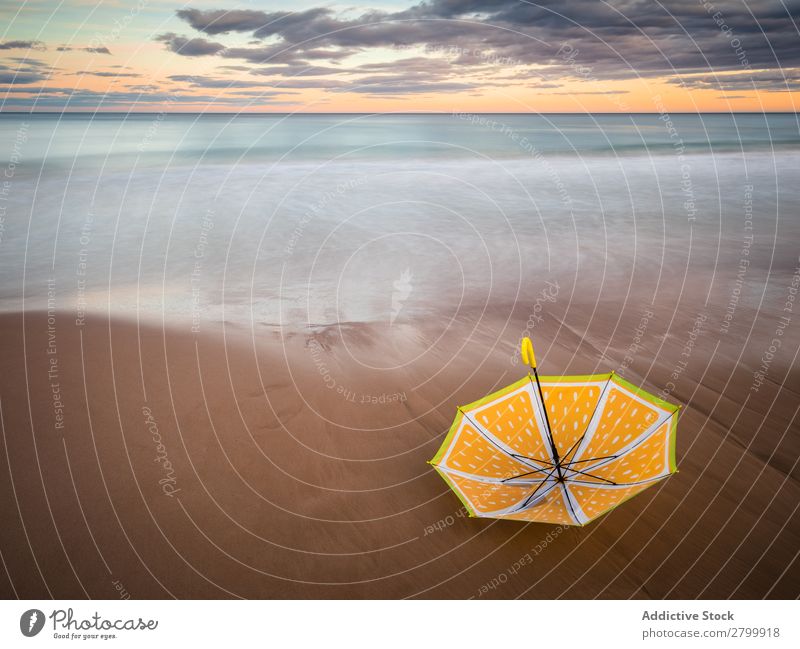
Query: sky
{"type": "Point", "coordinates": [392, 56]}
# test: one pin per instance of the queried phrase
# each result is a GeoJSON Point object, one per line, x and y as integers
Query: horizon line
{"type": "Point", "coordinates": [455, 112]}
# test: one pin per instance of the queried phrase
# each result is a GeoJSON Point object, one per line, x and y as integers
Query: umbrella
{"type": "Point", "coordinates": [558, 449]}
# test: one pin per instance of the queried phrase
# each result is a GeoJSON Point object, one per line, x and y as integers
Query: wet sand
{"type": "Point", "coordinates": [152, 461]}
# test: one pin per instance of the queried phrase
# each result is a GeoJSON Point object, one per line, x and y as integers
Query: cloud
{"type": "Point", "coordinates": [413, 75]}
{"type": "Point", "coordinates": [416, 64]}
{"type": "Point", "coordinates": [70, 98]}
{"type": "Point", "coordinates": [189, 46]}
{"type": "Point", "coordinates": [588, 92]}
{"type": "Point", "coordinates": [260, 23]}
{"type": "Point", "coordinates": [265, 93]}
{"type": "Point", "coordinates": [7, 76]}
{"type": "Point", "coordinates": [211, 82]}
{"type": "Point", "coordinates": [27, 71]}
{"type": "Point", "coordinates": [92, 50]}
{"type": "Point", "coordinates": [298, 70]}
{"type": "Point", "coordinates": [267, 54]}
{"type": "Point", "coordinates": [623, 40]}
{"type": "Point", "coordinates": [328, 84]}
{"type": "Point", "coordinates": [35, 89]}
{"type": "Point", "coordinates": [400, 86]}
{"type": "Point", "coordinates": [105, 73]}
{"type": "Point", "coordinates": [220, 21]}
{"type": "Point", "coordinates": [772, 80]}
{"type": "Point", "coordinates": [22, 45]}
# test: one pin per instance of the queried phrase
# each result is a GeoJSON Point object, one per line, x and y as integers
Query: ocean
{"type": "Point", "coordinates": [299, 221]}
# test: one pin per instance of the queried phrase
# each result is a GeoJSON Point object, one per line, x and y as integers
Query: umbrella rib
{"type": "Point", "coordinates": [591, 459]}
{"type": "Point", "coordinates": [532, 459]}
{"type": "Point", "coordinates": [569, 501]}
{"type": "Point", "coordinates": [591, 475]}
{"type": "Point", "coordinates": [591, 419]}
{"type": "Point", "coordinates": [543, 407]}
{"type": "Point", "coordinates": [541, 484]}
{"type": "Point", "coordinates": [644, 438]}
{"type": "Point", "coordinates": [638, 482]}
{"type": "Point", "coordinates": [578, 441]}
{"type": "Point", "coordinates": [621, 484]}
{"type": "Point", "coordinates": [524, 474]}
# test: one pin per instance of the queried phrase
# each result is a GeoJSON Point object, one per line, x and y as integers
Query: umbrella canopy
{"type": "Point", "coordinates": [558, 449]}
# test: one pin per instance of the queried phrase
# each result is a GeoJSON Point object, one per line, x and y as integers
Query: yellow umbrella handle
{"type": "Point", "coordinates": [528, 357]}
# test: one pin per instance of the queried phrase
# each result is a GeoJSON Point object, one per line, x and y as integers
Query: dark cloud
{"type": "Point", "coordinates": [298, 71]}
{"type": "Point", "coordinates": [70, 98]}
{"type": "Point", "coordinates": [221, 21]}
{"type": "Point", "coordinates": [211, 82]}
{"type": "Point", "coordinates": [610, 41]}
{"type": "Point", "coordinates": [24, 60]}
{"type": "Point", "coordinates": [280, 53]}
{"type": "Point", "coordinates": [290, 82]}
{"type": "Point", "coordinates": [401, 86]}
{"type": "Point", "coordinates": [263, 93]}
{"type": "Point", "coordinates": [26, 71]}
{"type": "Point", "coordinates": [776, 81]}
{"type": "Point", "coordinates": [7, 76]}
{"type": "Point", "coordinates": [260, 23]}
{"type": "Point", "coordinates": [93, 50]}
{"type": "Point", "coordinates": [588, 92]}
{"type": "Point", "coordinates": [35, 89]}
{"type": "Point", "coordinates": [413, 75]}
{"type": "Point", "coordinates": [22, 45]}
{"type": "Point", "coordinates": [189, 46]}
{"type": "Point", "coordinates": [268, 54]}
{"type": "Point", "coordinates": [105, 73]}
{"type": "Point", "coordinates": [415, 64]}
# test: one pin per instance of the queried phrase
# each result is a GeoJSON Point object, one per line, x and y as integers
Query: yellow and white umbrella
{"type": "Point", "coordinates": [558, 449]}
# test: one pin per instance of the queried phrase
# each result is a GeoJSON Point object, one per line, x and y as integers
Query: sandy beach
{"type": "Point", "coordinates": [150, 461]}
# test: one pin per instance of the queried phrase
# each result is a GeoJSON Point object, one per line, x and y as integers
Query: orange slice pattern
{"type": "Point", "coordinates": [472, 453]}
{"type": "Point", "coordinates": [511, 420]}
{"type": "Point", "coordinates": [551, 509]}
{"type": "Point", "coordinates": [486, 497]}
{"type": "Point", "coordinates": [646, 461]}
{"type": "Point", "coordinates": [598, 500]}
{"type": "Point", "coordinates": [569, 409]}
{"type": "Point", "coordinates": [622, 420]}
